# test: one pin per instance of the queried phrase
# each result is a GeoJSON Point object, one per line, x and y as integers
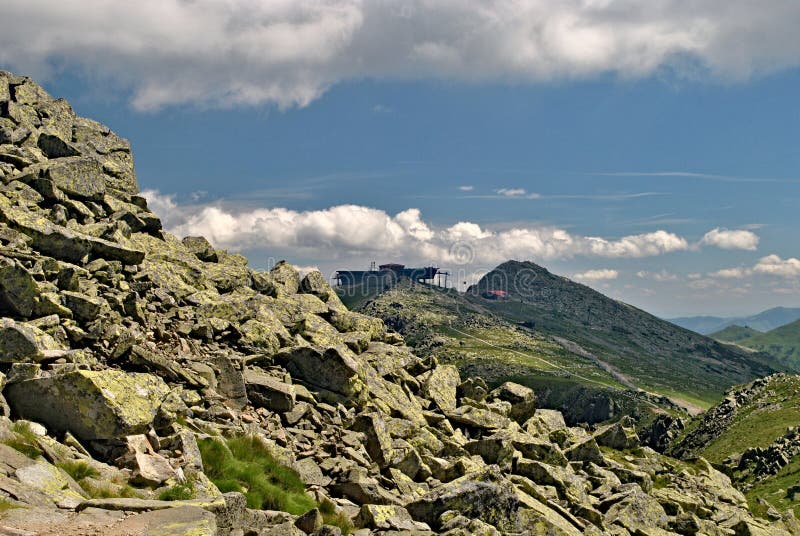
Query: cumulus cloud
{"type": "Point", "coordinates": [355, 229]}
{"type": "Point", "coordinates": [732, 273]}
{"type": "Point", "coordinates": [731, 239]}
{"type": "Point", "coordinates": [774, 265]}
{"type": "Point", "coordinates": [771, 265]}
{"type": "Point", "coordinates": [597, 275]}
{"type": "Point", "coordinates": [289, 52]}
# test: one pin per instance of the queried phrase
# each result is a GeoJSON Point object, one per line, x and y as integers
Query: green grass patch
{"type": "Point", "coordinates": [25, 440]}
{"type": "Point", "coordinates": [178, 492]}
{"type": "Point", "coordinates": [78, 470]}
{"type": "Point", "coordinates": [777, 490]}
{"type": "Point", "coordinates": [244, 464]}
{"type": "Point", "coordinates": [331, 517]}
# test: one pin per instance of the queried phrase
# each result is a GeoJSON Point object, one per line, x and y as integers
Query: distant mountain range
{"type": "Point", "coordinates": [764, 321]}
{"type": "Point", "coordinates": [783, 343]}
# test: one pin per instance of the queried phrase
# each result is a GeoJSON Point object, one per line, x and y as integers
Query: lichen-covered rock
{"type": "Point", "coordinates": [201, 247]}
{"type": "Point", "coordinates": [378, 440]}
{"type": "Point", "coordinates": [18, 290]}
{"type": "Point", "coordinates": [440, 385]}
{"type": "Point", "coordinates": [521, 398]}
{"type": "Point", "coordinates": [335, 369]}
{"type": "Point", "coordinates": [617, 436]}
{"type": "Point", "coordinates": [387, 517]}
{"type": "Point", "coordinates": [487, 496]}
{"type": "Point", "coordinates": [77, 176]}
{"type": "Point", "coordinates": [23, 342]}
{"type": "Point", "coordinates": [268, 392]}
{"type": "Point", "coordinates": [478, 418]}
{"type": "Point", "coordinates": [90, 404]}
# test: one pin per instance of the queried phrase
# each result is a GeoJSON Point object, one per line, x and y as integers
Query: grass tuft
{"type": "Point", "coordinates": [25, 440]}
{"type": "Point", "coordinates": [178, 492]}
{"type": "Point", "coordinates": [244, 464]}
{"type": "Point", "coordinates": [78, 470]}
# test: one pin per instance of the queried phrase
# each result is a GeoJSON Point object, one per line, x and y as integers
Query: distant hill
{"type": "Point", "coordinates": [561, 337]}
{"type": "Point", "coordinates": [735, 334]}
{"type": "Point", "coordinates": [783, 343]}
{"type": "Point", "coordinates": [763, 321]}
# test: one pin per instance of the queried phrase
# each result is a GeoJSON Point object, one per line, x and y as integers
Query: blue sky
{"type": "Point", "coordinates": [667, 178]}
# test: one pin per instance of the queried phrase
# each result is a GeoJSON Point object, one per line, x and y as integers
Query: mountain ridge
{"type": "Point", "coordinates": [764, 321]}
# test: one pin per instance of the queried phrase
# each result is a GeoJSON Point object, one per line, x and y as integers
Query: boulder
{"type": "Point", "coordinates": [90, 404]}
{"type": "Point", "coordinates": [310, 522]}
{"type": "Point", "coordinates": [266, 391]}
{"type": "Point", "coordinates": [617, 436]}
{"type": "Point", "coordinates": [440, 385]}
{"type": "Point", "coordinates": [521, 398]}
{"type": "Point", "coordinates": [20, 342]}
{"type": "Point", "coordinates": [18, 290]}
{"type": "Point", "coordinates": [54, 482]}
{"type": "Point", "coordinates": [387, 517]}
{"type": "Point", "coordinates": [334, 369]}
{"type": "Point", "coordinates": [487, 496]}
{"type": "Point", "coordinates": [478, 418]}
{"type": "Point", "coordinates": [379, 441]}
{"type": "Point", "coordinates": [201, 248]}
{"type": "Point", "coordinates": [85, 308]}
{"type": "Point", "coordinates": [77, 176]}
{"type": "Point", "coordinates": [637, 511]}
{"type": "Point", "coordinates": [545, 421]}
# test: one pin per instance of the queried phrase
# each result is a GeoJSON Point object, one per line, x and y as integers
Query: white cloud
{"type": "Point", "coordinates": [289, 52]}
{"type": "Point", "coordinates": [732, 273]}
{"type": "Point", "coordinates": [771, 265]}
{"type": "Point", "coordinates": [597, 275]}
{"type": "Point", "coordinates": [660, 276]}
{"type": "Point", "coordinates": [466, 188]}
{"type": "Point", "coordinates": [774, 265]}
{"type": "Point", "coordinates": [354, 229]}
{"type": "Point", "coordinates": [511, 192]}
{"type": "Point", "coordinates": [731, 239]}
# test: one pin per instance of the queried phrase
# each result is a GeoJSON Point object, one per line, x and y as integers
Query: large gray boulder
{"type": "Point", "coordinates": [21, 342]}
{"type": "Point", "coordinates": [487, 496]}
{"type": "Point", "coordinates": [334, 369]}
{"type": "Point", "coordinates": [90, 404]}
{"type": "Point", "coordinates": [266, 391]}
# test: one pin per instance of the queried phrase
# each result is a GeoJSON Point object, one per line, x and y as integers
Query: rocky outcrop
{"type": "Point", "coordinates": [125, 350]}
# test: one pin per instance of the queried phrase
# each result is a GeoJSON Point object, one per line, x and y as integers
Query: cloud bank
{"type": "Point", "coordinates": [289, 52]}
{"type": "Point", "coordinates": [358, 230]}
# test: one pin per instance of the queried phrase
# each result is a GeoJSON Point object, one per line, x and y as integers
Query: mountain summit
{"type": "Point", "coordinates": [654, 354]}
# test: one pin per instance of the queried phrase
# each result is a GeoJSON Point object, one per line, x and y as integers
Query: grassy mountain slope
{"type": "Point", "coordinates": [758, 415]}
{"type": "Point", "coordinates": [782, 343]}
{"type": "Point", "coordinates": [763, 321]}
{"type": "Point", "coordinates": [735, 334]}
{"type": "Point", "coordinates": [444, 324]}
{"type": "Point", "coordinates": [652, 353]}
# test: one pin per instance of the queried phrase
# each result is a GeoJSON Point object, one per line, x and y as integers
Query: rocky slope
{"type": "Point", "coordinates": [753, 435]}
{"type": "Point", "coordinates": [136, 365]}
{"type": "Point", "coordinates": [454, 329]}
